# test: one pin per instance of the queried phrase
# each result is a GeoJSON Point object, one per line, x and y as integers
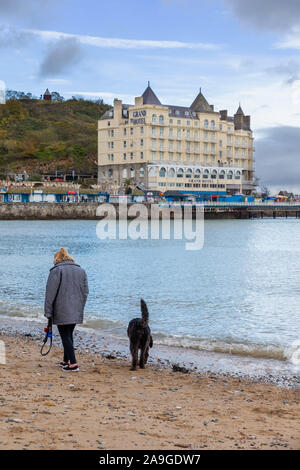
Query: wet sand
{"type": "Point", "coordinates": [107, 406]}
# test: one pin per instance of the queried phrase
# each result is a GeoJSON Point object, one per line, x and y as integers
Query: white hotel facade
{"type": "Point", "coordinates": [173, 148]}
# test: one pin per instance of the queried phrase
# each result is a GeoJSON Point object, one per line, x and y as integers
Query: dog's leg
{"type": "Point", "coordinates": [134, 353]}
{"type": "Point", "coordinates": [143, 358]}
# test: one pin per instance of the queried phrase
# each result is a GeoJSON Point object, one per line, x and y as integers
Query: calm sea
{"type": "Point", "coordinates": [239, 294]}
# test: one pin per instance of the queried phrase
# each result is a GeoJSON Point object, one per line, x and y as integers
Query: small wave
{"type": "Point", "coordinates": [225, 347]}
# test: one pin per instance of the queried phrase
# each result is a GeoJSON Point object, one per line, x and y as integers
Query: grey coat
{"type": "Point", "coordinates": [66, 293]}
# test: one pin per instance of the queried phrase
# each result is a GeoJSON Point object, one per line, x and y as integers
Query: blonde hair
{"type": "Point", "coordinates": [62, 255]}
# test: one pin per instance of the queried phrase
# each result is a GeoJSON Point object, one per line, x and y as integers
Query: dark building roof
{"type": "Point", "coordinates": [181, 112]}
{"type": "Point", "coordinates": [200, 103]}
{"type": "Point", "coordinates": [240, 111]}
{"type": "Point", "coordinates": [149, 97]}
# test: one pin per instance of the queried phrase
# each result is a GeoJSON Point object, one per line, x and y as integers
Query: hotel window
{"type": "Point", "coordinates": [142, 155]}
{"type": "Point", "coordinates": [108, 123]}
{"type": "Point", "coordinates": [236, 153]}
{"type": "Point", "coordinates": [172, 173]}
{"type": "Point", "coordinates": [112, 145]}
{"type": "Point", "coordinates": [206, 124]}
{"type": "Point", "coordinates": [153, 132]}
{"type": "Point", "coordinates": [197, 174]}
{"type": "Point", "coordinates": [243, 152]}
{"type": "Point", "coordinates": [153, 156]}
{"type": "Point", "coordinates": [229, 140]}
{"type": "Point", "coordinates": [178, 157]}
{"type": "Point", "coordinates": [171, 133]}
{"type": "Point", "coordinates": [196, 146]}
{"type": "Point", "coordinates": [214, 174]}
{"type": "Point", "coordinates": [188, 146]}
{"type": "Point", "coordinates": [188, 133]}
{"type": "Point", "coordinates": [153, 144]}
{"type": "Point", "coordinates": [131, 131]}
{"type": "Point", "coordinates": [186, 113]}
{"type": "Point", "coordinates": [108, 156]}
{"type": "Point", "coordinates": [179, 185]}
{"type": "Point", "coordinates": [237, 175]}
{"type": "Point", "coordinates": [220, 154]}
{"type": "Point", "coordinates": [178, 133]}
{"type": "Point", "coordinates": [178, 146]}
{"type": "Point", "coordinates": [196, 123]}
{"type": "Point", "coordinates": [205, 135]}
{"type": "Point", "coordinates": [131, 155]}
{"type": "Point", "coordinates": [142, 142]}
{"type": "Point", "coordinates": [153, 118]}
{"type": "Point", "coordinates": [124, 131]}
{"type": "Point", "coordinates": [171, 121]}
{"type": "Point", "coordinates": [178, 122]}
{"type": "Point", "coordinates": [171, 145]}
{"type": "Point", "coordinates": [110, 172]}
{"type": "Point", "coordinates": [161, 156]}
{"type": "Point", "coordinates": [229, 175]}
{"type": "Point", "coordinates": [212, 136]}
{"type": "Point", "coordinates": [188, 123]}
{"type": "Point", "coordinates": [161, 131]}
{"type": "Point", "coordinates": [180, 173]}
{"type": "Point", "coordinates": [177, 113]}
{"type": "Point", "coordinates": [162, 173]}
{"type": "Point", "coordinates": [108, 145]}
{"type": "Point", "coordinates": [124, 156]}
{"type": "Point", "coordinates": [205, 147]}
{"type": "Point", "coordinates": [142, 172]}
{"type": "Point", "coordinates": [222, 175]}
{"type": "Point", "coordinates": [112, 157]}
{"type": "Point", "coordinates": [124, 173]}
{"type": "Point", "coordinates": [213, 148]}
{"type": "Point", "coordinates": [142, 130]}
{"type": "Point", "coordinates": [220, 127]}
{"type": "Point", "coordinates": [212, 124]}
{"type": "Point", "coordinates": [124, 144]}
{"type": "Point", "coordinates": [236, 141]}
{"type": "Point", "coordinates": [188, 173]}
{"type": "Point", "coordinates": [220, 143]}
{"type": "Point", "coordinates": [161, 144]}
{"type": "Point", "coordinates": [205, 174]}
{"type": "Point", "coordinates": [161, 119]}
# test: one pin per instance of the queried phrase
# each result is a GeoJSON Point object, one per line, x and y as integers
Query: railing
{"type": "Point", "coordinates": [235, 204]}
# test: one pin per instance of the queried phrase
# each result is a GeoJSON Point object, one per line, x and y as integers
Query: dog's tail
{"type": "Point", "coordinates": [145, 313]}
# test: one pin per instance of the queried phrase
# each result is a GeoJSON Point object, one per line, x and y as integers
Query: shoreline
{"type": "Point", "coordinates": [105, 343]}
{"type": "Point", "coordinates": [107, 406]}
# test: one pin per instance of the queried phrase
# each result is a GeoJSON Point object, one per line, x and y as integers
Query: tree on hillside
{"type": "Point", "coordinates": [18, 95]}
{"type": "Point", "coordinates": [56, 96]}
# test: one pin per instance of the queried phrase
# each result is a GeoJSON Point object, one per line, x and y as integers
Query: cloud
{"type": "Point", "coordinates": [60, 56]}
{"type": "Point", "coordinates": [271, 15]}
{"type": "Point", "coordinates": [291, 40]}
{"type": "Point", "coordinates": [290, 70]}
{"type": "Point", "coordinates": [10, 37]}
{"type": "Point", "coordinates": [278, 156]}
{"type": "Point", "coordinates": [118, 43]}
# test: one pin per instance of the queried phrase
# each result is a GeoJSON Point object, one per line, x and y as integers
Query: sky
{"type": "Point", "coordinates": [235, 50]}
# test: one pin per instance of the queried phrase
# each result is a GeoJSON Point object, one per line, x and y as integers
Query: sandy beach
{"type": "Point", "coordinates": [107, 406]}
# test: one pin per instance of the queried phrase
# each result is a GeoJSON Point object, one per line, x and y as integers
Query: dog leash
{"type": "Point", "coordinates": [48, 334]}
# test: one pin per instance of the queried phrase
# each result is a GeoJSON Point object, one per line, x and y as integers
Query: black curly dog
{"type": "Point", "coordinates": [139, 334]}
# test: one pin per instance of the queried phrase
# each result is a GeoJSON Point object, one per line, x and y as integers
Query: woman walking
{"type": "Point", "coordinates": [66, 294]}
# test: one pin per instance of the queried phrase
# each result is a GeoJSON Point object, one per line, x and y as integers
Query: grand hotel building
{"type": "Point", "coordinates": [166, 147]}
